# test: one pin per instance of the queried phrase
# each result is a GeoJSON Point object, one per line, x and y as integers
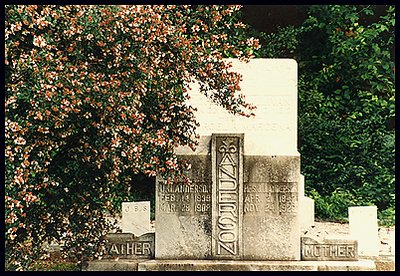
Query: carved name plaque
{"type": "Point", "coordinates": [328, 250]}
{"type": "Point", "coordinates": [227, 171]}
{"type": "Point", "coordinates": [127, 246]}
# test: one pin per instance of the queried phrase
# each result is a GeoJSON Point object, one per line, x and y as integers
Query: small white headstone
{"type": "Point", "coordinates": [363, 226]}
{"type": "Point", "coordinates": [136, 217]}
{"type": "Point", "coordinates": [306, 212]}
{"type": "Point", "coordinates": [306, 207]}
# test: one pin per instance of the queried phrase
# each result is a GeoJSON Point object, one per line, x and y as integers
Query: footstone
{"type": "Point", "coordinates": [363, 226]}
{"type": "Point", "coordinates": [306, 207]}
{"type": "Point", "coordinates": [306, 213]}
{"type": "Point", "coordinates": [328, 249]}
{"type": "Point", "coordinates": [136, 217]}
{"type": "Point", "coordinates": [127, 246]}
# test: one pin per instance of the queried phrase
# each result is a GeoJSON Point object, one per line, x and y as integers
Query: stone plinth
{"type": "Point", "coordinates": [112, 265]}
{"type": "Point", "coordinates": [224, 265]}
{"type": "Point", "coordinates": [258, 219]}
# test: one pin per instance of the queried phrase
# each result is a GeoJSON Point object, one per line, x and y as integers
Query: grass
{"type": "Point", "coordinates": [54, 266]}
{"type": "Point", "coordinates": [55, 263]}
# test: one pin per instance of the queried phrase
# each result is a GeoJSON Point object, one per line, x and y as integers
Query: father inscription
{"type": "Point", "coordinates": [127, 246]}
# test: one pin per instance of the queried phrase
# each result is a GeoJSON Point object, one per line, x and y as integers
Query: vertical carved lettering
{"type": "Point", "coordinates": [227, 162]}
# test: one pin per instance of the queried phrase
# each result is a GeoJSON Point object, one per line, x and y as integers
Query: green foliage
{"type": "Point", "coordinates": [96, 95]}
{"type": "Point", "coordinates": [387, 217]}
{"type": "Point", "coordinates": [346, 105]}
{"type": "Point", "coordinates": [333, 207]}
{"type": "Point", "coordinates": [281, 44]}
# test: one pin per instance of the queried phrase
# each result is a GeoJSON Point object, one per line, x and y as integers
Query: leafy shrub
{"type": "Point", "coordinates": [95, 94]}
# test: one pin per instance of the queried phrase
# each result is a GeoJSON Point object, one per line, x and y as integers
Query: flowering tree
{"type": "Point", "coordinates": [96, 94]}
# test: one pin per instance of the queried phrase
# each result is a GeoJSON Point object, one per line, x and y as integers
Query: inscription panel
{"type": "Point", "coordinates": [126, 246]}
{"type": "Point", "coordinates": [328, 250]}
{"type": "Point", "coordinates": [273, 198]}
{"type": "Point", "coordinates": [227, 162]}
{"type": "Point", "coordinates": [183, 213]}
{"type": "Point", "coordinates": [184, 199]}
{"type": "Point", "coordinates": [270, 202]}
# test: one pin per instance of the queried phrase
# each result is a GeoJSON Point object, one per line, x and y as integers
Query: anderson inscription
{"type": "Point", "coordinates": [227, 217]}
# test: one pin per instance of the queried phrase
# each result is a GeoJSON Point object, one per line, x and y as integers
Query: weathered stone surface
{"type": "Point", "coordinates": [136, 217]}
{"type": "Point", "coordinates": [328, 249]}
{"type": "Point", "coordinates": [269, 220]}
{"type": "Point", "coordinates": [112, 265]}
{"type": "Point", "coordinates": [363, 226]}
{"type": "Point", "coordinates": [270, 214]}
{"type": "Point", "coordinates": [234, 265]}
{"type": "Point", "coordinates": [361, 265]}
{"type": "Point", "coordinates": [270, 84]}
{"type": "Point", "coordinates": [126, 246]}
{"type": "Point", "coordinates": [273, 168]}
{"type": "Point", "coordinates": [183, 214]}
{"type": "Point", "coordinates": [382, 263]}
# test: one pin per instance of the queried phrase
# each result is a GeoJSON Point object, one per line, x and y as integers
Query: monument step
{"type": "Point", "coordinates": [233, 265]}
{"type": "Point", "coordinates": [229, 265]}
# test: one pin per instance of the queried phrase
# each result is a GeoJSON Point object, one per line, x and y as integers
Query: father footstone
{"type": "Point", "coordinates": [243, 202]}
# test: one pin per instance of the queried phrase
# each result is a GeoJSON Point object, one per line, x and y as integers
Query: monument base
{"type": "Point", "coordinates": [230, 265]}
